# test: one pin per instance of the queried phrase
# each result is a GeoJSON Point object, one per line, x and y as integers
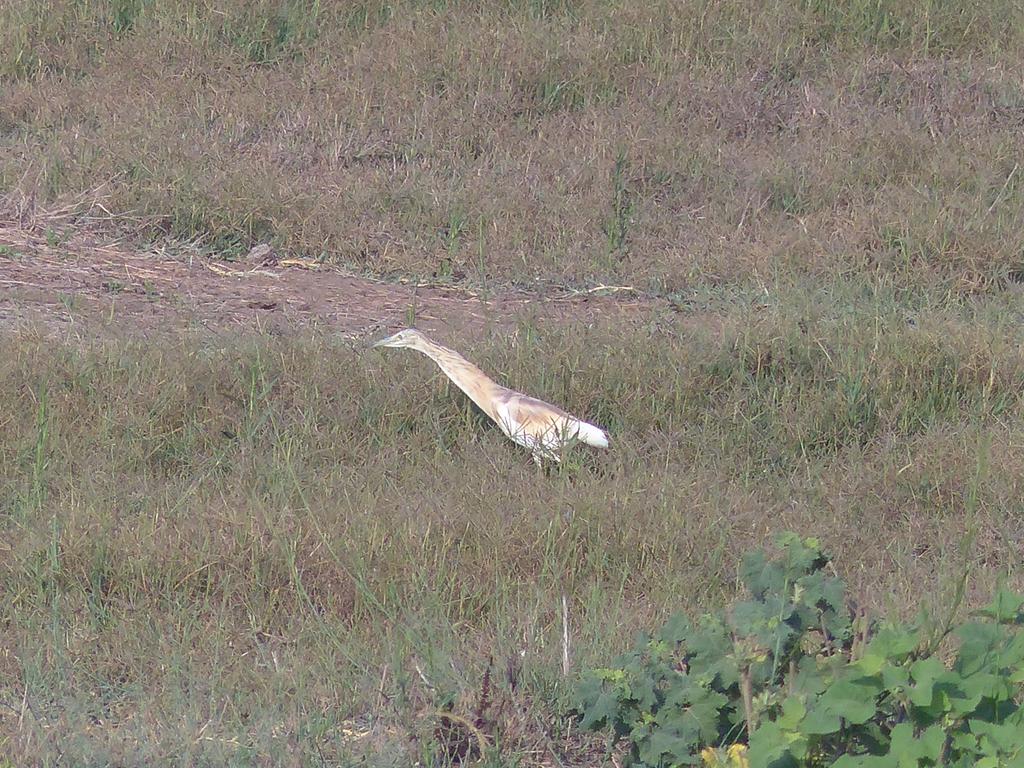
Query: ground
{"type": "Point", "coordinates": [59, 278]}
{"type": "Point", "coordinates": [774, 249]}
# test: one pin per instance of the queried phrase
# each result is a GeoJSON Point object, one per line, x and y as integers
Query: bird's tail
{"type": "Point", "coordinates": [591, 435]}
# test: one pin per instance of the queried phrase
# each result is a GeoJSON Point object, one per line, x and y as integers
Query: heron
{"type": "Point", "coordinates": [545, 429]}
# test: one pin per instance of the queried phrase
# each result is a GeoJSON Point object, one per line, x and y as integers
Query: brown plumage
{"type": "Point", "coordinates": [543, 428]}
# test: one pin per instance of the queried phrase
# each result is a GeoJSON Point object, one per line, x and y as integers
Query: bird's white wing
{"type": "Point", "coordinates": [512, 424]}
{"type": "Point", "coordinates": [534, 423]}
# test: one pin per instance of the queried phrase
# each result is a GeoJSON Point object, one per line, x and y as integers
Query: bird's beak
{"type": "Point", "coordinates": [383, 342]}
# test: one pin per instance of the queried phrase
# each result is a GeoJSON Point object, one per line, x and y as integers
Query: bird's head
{"type": "Point", "coordinates": [408, 337]}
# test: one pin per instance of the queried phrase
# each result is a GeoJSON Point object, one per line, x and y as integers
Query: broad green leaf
{"type": "Point", "coordinates": [821, 721]}
{"type": "Point", "coordinates": [895, 677]}
{"type": "Point", "coordinates": [772, 746]}
{"type": "Point", "coordinates": [893, 642]}
{"type": "Point", "coordinates": [822, 591]}
{"type": "Point", "coordinates": [932, 740]}
{"type": "Point", "coordinates": [1005, 606]}
{"type": "Point", "coordinates": [676, 630]}
{"type": "Point", "coordinates": [761, 576]}
{"type": "Point", "coordinates": [765, 621]}
{"type": "Point", "coordinates": [924, 673]}
{"type": "Point", "coordinates": [1007, 738]}
{"type": "Point", "coordinates": [793, 712]}
{"type": "Point", "coordinates": [670, 746]}
{"type": "Point", "coordinates": [1012, 654]}
{"type": "Point", "coordinates": [910, 748]}
{"type": "Point", "coordinates": [871, 663]}
{"type": "Point", "coordinates": [980, 689]}
{"type": "Point", "coordinates": [903, 744]}
{"type": "Point", "coordinates": [964, 742]}
{"type": "Point", "coordinates": [978, 641]}
{"type": "Point", "coordinates": [600, 711]}
{"type": "Point", "coordinates": [852, 700]}
{"type": "Point", "coordinates": [802, 555]}
{"type": "Point", "coordinates": [696, 707]}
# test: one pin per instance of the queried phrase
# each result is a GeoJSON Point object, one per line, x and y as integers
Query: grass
{"type": "Point", "coordinates": [287, 550]}
{"type": "Point", "coordinates": [667, 144]}
{"type": "Point", "coordinates": [220, 554]}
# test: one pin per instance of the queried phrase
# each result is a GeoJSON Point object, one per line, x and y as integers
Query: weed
{"type": "Point", "coordinates": [125, 13]}
{"type": "Point", "coordinates": [454, 229]}
{"type": "Point", "coordinates": [554, 94]}
{"type": "Point", "coordinates": [39, 463]}
{"type": "Point", "coordinates": [617, 227]}
{"type": "Point", "coordinates": [801, 677]}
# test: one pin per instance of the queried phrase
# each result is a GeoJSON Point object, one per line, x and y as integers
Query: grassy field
{"type": "Point", "coordinates": [668, 144]}
{"type": "Point", "coordinates": [293, 550]}
{"type": "Point", "coordinates": [225, 553]}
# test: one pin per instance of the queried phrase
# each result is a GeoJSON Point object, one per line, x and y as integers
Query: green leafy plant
{"type": "Point", "coordinates": [800, 678]}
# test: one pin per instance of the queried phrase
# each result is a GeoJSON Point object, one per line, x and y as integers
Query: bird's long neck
{"type": "Point", "coordinates": [466, 376]}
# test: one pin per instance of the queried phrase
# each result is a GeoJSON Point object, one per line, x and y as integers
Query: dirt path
{"type": "Point", "coordinates": [73, 279]}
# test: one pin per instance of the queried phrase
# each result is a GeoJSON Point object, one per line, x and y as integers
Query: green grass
{"type": "Point", "coordinates": [223, 553]}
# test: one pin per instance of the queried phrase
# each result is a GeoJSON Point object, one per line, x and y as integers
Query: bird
{"type": "Point", "coordinates": [545, 429]}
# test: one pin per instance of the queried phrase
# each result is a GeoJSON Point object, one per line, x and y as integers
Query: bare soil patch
{"type": "Point", "coordinates": [82, 281]}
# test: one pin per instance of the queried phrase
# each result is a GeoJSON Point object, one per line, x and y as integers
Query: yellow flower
{"type": "Point", "coordinates": [738, 756]}
{"type": "Point", "coordinates": [734, 757]}
{"type": "Point", "coordinates": [710, 757]}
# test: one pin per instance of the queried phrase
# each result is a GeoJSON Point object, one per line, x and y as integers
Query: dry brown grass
{"type": "Point", "coordinates": [671, 145]}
